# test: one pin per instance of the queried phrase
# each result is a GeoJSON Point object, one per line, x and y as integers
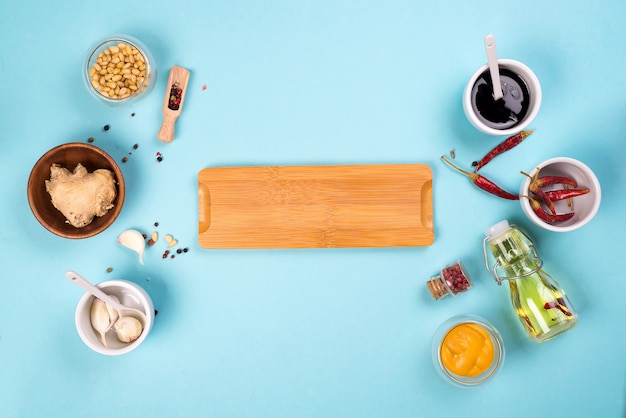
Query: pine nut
{"type": "Point", "coordinates": [119, 71]}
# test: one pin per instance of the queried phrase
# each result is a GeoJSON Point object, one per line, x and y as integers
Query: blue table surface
{"type": "Point", "coordinates": [312, 332]}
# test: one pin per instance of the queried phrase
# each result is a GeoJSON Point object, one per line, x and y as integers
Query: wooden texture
{"type": "Point", "coordinates": [180, 77]}
{"type": "Point", "coordinates": [315, 206]}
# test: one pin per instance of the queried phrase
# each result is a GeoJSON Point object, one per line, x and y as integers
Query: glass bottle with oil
{"type": "Point", "coordinates": [539, 302]}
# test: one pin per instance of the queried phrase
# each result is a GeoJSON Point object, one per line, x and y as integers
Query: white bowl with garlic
{"type": "Point", "coordinates": [103, 330]}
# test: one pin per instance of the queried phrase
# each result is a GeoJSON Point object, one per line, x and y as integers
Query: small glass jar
{"type": "Point", "coordinates": [467, 351]}
{"type": "Point", "coordinates": [452, 280]}
{"type": "Point", "coordinates": [140, 72]}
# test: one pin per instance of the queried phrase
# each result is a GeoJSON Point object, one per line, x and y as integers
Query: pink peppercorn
{"type": "Point", "coordinates": [452, 280]}
{"type": "Point", "coordinates": [176, 94]}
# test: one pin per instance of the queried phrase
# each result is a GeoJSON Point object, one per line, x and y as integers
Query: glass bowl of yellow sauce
{"type": "Point", "coordinates": [467, 350]}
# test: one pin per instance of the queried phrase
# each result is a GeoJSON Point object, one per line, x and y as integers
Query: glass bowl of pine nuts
{"type": "Point", "coordinates": [119, 70]}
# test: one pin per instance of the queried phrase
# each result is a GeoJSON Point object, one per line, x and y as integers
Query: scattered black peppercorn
{"type": "Point", "coordinates": [132, 114]}
{"type": "Point", "coordinates": [474, 163]}
{"type": "Point", "coordinates": [185, 249]}
{"type": "Point", "coordinates": [178, 251]}
{"type": "Point", "coordinates": [159, 158]}
{"type": "Point", "coordinates": [107, 127]}
{"type": "Point", "coordinates": [135, 146]}
{"type": "Point", "coordinates": [109, 270]}
{"type": "Point", "coordinates": [90, 139]}
{"type": "Point", "coordinates": [124, 159]}
{"type": "Point", "coordinates": [156, 224]}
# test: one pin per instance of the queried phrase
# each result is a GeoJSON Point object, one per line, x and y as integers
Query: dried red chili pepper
{"type": "Point", "coordinates": [555, 195]}
{"type": "Point", "coordinates": [483, 182]}
{"type": "Point", "coordinates": [559, 304]}
{"type": "Point", "coordinates": [549, 180]}
{"type": "Point", "coordinates": [537, 190]}
{"type": "Point", "coordinates": [501, 148]}
{"type": "Point", "coordinates": [544, 181]}
{"type": "Point", "coordinates": [543, 197]}
{"type": "Point", "coordinates": [548, 217]}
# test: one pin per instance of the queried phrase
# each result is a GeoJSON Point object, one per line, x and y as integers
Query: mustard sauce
{"type": "Point", "coordinates": [467, 350]}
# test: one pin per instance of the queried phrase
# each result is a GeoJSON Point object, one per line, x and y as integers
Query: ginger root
{"type": "Point", "coordinates": [81, 195]}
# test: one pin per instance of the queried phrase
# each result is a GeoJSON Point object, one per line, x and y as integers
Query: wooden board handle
{"type": "Point", "coordinates": [204, 208]}
{"type": "Point", "coordinates": [427, 205]}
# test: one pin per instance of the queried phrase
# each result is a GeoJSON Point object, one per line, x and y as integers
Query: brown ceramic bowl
{"type": "Point", "coordinates": [68, 156]}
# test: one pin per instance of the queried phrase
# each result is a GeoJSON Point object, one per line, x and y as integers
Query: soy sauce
{"type": "Point", "coordinates": [506, 112]}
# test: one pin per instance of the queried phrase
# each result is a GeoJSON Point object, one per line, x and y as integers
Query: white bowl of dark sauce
{"type": "Point", "coordinates": [511, 114]}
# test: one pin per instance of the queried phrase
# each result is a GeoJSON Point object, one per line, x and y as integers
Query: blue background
{"type": "Point", "coordinates": [309, 333]}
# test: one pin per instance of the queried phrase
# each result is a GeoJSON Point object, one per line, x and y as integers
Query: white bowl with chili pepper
{"type": "Point", "coordinates": [119, 69]}
{"type": "Point", "coordinates": [553, 181]}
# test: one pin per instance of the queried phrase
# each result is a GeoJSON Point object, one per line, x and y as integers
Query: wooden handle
{"type": "Point", "coordinates": [204, 207]}
{"type": "Point", "coordinates": [166, 133]}
{"type": "Point", "coordinates": [177, 82]}
{"type": "Point", "coordinates": [427, 205]}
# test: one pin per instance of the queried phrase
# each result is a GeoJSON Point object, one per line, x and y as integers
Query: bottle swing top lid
{"type": "Point", "coordinates": [497, 229]}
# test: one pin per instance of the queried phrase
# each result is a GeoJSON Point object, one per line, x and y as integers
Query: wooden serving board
{"type": "Point", "coordinates": [315, 206]}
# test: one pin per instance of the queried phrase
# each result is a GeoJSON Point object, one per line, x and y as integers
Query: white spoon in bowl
{"type": "Point", "coordinates": [492, 62]}
{"type": "Point", "coordinates": [122, 310]}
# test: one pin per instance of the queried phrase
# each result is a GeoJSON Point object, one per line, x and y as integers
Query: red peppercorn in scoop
{"type": "Point", "coordinates": [173, 103]}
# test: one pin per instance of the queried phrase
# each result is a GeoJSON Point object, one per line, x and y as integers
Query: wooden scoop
{"type": "Point", "coordinates": [173, 103]}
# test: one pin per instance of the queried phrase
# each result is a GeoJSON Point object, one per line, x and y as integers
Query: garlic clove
{"type": "Point", "coordinates": [128, 329]}
{"type": "Point", "coordinates": [113, 313]}
{"type": "Point", "coordinates": [100, 319]}
{"type": "Point", "coordinates": [170, 241]}
{"type": "Point", "coordinates": [134, 240]}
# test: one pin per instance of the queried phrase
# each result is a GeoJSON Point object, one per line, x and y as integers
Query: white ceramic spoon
{"type": "Point", "coordinates": [97, 292]}
{"type": "Point", "coordinates": [492, 62]}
